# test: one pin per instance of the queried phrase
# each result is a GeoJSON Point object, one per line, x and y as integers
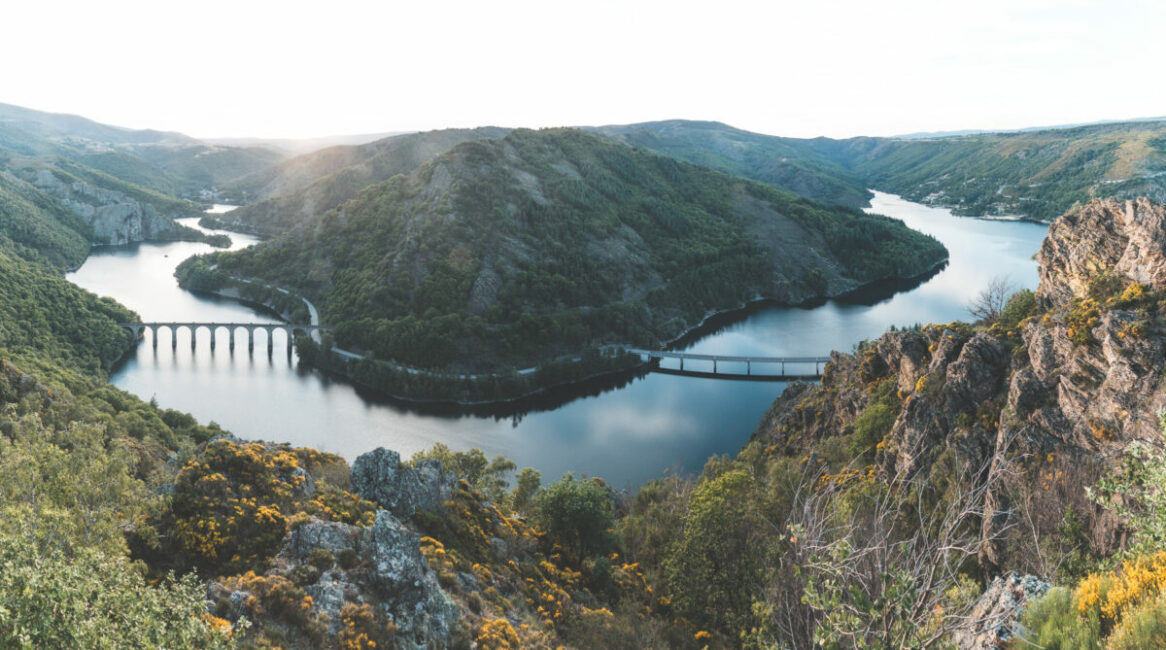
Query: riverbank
{"type": "Point", "coordinates": [518, 390]}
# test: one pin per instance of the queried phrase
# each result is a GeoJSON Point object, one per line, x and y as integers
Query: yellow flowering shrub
{"type": "Point", "coordinates": [234, 502]}
{"type": "Point", "coordinates": [497, 634]}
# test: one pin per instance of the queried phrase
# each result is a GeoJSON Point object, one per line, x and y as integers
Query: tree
{"type": "Point", "coordinates": [1137, 492]}
{"type": "Point", "coordinates": [715, 567]}
{"type": "Point", "coordinates": [579, 513]}
{"type": "Point", "coordinates": [488, 476]}
{"type": "Point", "coordinates": [989, 303]}
{"type": "Point", "coordinates": [95, 601]}
{"type": "Point", "coordinates": [529, 482]}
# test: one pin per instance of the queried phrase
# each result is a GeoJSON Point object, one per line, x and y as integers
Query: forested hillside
{"type": "Point", "coordinates": [1035, 174]}
{"type": "Point", "coordinates": [506, 253]}
{"type": "Point", "coordinates": [278, 198]}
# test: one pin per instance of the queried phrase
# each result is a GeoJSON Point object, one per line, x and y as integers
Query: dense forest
{"type": "Point", "coordinates": [504, 254]}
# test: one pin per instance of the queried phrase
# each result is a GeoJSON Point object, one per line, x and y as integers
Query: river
{"type": "Point", "coordinates": [628, 435]}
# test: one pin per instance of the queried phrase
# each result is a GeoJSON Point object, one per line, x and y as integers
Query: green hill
{"type": "Point", "coordinates": [311, 184]}
{"type": "Point", "coordinates": [505, 253]}
{"type": "Point", "coordinates": [1037, 174]}
{"type": "Point", "coordinates": [788, 163]}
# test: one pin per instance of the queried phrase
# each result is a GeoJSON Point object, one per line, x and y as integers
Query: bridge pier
{"type": "Point", "coordinates": [174, 338]}
{"type": "Point", "coordinates": [270, 341]}
{"type": "Point", "coordinates": [714, 366]}
{"type": "Point", "coordinates": [212, 339]}
{"type": "Point", "coordinates": [154, 337]}
{"type": "Point", "coordinates": [231, 340]}
{"type": "Point", "coordinates": [748, 367]}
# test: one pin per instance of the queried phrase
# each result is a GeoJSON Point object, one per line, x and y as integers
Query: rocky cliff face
{"type": "Point", "coordinates": [1040, 408]}
{"type": "Point", "coordinates": [379, 565]}
{"type": "Point", "coordinates": [114, 217]}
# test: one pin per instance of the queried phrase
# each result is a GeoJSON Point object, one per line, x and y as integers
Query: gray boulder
{"type": "Point", "coordinates": [380, 477]}
{"type": "Point", "coordinates": [995, 618]}
{"type": "Point", "coordinates": [408, 588]}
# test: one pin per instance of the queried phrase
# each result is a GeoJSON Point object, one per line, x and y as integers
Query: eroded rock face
{"type": "Point", "coordinates": [115, 217]}
{"type": "Point", "coordinates": [409, 589]}
{"type": "Point", "coordinates": [1126, 237]}
{"type": "Point", "coordinates": [1043, 417]}
{"type": "Point", "coordinates": [996, 615]}
{"type": "Point", "coordinates": [386, 569]}
{"type": "Point", "coordinates": [380, 477]}
{"type": "Point", "coordinates": [329, 535]}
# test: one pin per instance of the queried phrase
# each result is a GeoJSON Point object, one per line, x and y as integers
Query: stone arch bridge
{"type": "Point", "coordinates": [232, 328]}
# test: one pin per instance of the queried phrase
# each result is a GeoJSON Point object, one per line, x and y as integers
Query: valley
{"type": "Point", "coordinates": [934, 480]}
{"type": "Point", "coordinates": [628, 433]}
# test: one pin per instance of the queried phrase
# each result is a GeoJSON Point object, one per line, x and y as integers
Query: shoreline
{"type": "Point", "coordinates": [577, 387]}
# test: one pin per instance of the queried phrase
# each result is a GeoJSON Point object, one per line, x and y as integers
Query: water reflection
{"type": "Point", "coordinates": [628, 429]}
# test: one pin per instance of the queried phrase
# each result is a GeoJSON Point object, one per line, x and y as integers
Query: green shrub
{"type": "Point", "coordinates": [579, 513]}
{"type": "Point", "coordinates": [1054, 623]}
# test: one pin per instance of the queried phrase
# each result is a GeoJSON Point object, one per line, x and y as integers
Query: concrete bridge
{"type": "Point", "coordinates": [269, 328]}
{"type": "Point", "coordinates": [769, 364]}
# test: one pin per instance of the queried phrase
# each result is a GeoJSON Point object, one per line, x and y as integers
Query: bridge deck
{"type": "Point", "coordinates": [664, 354]}
{"type": "Point", "coordinates": [718, 373]}
{"type": "Point", "coordinates": [208, 324]}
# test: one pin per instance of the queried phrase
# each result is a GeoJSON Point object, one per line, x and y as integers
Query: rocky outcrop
{"type": "Point", "coordinates": [115, 217]}
{"type": "Point", "coordinates": [995, 617]}
{"type": "Point", "coordinates": [401, 577]}
{"type": "Point", "coordinates": [1040, 409]}
{"type": "Point", "coordinates": [379, 476]}
{"type": "Point", "coordinates": [1123, 237]}
{"type": "Point", "coordinates": [379, 565]}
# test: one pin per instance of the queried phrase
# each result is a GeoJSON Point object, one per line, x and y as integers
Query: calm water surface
{"type": "Point", "coordinates": [628, 435]}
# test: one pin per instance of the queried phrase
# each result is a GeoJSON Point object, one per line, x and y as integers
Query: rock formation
{"type": "Point", "coordinates": [115, 217]}
{"type": "Point", "coordinates": [1042, 409]}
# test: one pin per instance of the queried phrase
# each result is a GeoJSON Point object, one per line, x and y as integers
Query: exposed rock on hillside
{"type": "Point", "coordinates": [1042, 406]}
{"type": "Point", "coordinates": [996, 615]}
{"type": "Point", "coordinates": [1127, 238]}
{"type": "Point", "coordinates": [114, 217]}
{"type": "Point", "coordinates": [380, 477]}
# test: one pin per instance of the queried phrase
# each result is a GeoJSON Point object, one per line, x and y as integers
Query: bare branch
{"type": "Point", "coordinates": [989, 303]}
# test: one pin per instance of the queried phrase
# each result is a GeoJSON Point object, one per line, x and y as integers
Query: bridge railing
{"type": "Point", "coordinates": [749, 362]}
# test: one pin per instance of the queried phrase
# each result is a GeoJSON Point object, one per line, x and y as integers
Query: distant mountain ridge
{"type": "Point", "coordinates": [788, 163]}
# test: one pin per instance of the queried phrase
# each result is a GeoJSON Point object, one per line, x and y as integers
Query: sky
{"type": "Point", "coordinates": [836, 68]}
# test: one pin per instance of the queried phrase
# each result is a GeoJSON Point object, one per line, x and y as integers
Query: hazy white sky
{"type": "Point", "coordinates": [798, 68]}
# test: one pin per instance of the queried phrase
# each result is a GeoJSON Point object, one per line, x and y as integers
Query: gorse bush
{"type": "Point", "coordinates": [234, 502]}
